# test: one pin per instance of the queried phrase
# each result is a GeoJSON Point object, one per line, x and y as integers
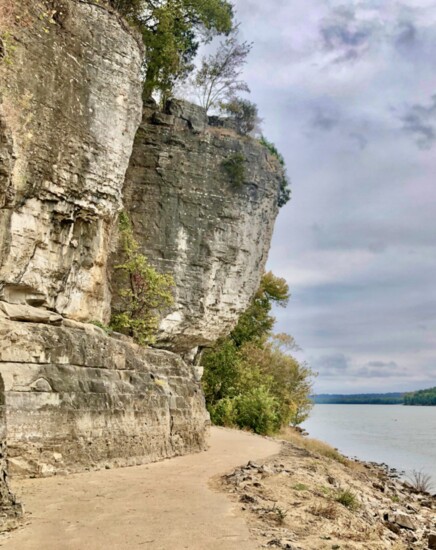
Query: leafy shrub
{"type": "Point", "coordinates": [224, 412]}
{"type": "Point", "coordinates": [258, 411]}
{"type": "Point", "coordinates": [145, 292]}
{"type": "Point", "coordinates": [260, 385]}
{"type": "Point", "coordinates": [347, 498]}
{"type": "Point", "coordinates": [244, 113]}
{"type": "Point", "coordinates": [234, 165]}
{"type": "Point", "coordinates": [272, 149]}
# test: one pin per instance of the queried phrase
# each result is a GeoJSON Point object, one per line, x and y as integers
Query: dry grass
{"type": "Point", "coordinates": [7, 14]}
{"type": "Point", "coordinates": [327, 511]}
{"type": "Point", "coordinates": [314, 446]}
{"type": "Point", "coordinates": [421, 481]}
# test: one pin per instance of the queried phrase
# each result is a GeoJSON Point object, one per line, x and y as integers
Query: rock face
{"type": "Point", "coordinates": [192, 220]}
{"type": "Point", "coordinates": [70, 104]}
{"type": "Point", "coordinates": [71, 397]}
{"type": "Point", "coordinates": [76, 398]}
{"type": "Point", "coordinates": [10, 509]}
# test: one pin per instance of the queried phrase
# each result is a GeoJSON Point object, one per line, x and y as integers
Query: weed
{"type": "Point", "coordinates": [277, 514]}
{"type": "Point", "coordinates": [300, 487]}
{"type": "Point", "coordinates": [347, 498]}
{"type": "Point", "coordinates": [420, 481]}
{"type": "Point", "coordinates": [234, 166]}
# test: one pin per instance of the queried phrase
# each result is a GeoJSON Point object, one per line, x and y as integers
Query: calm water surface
{"type": "Point", "coordinates": [403, 437]}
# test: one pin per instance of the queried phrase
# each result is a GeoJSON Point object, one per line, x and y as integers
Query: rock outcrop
{"type": "Point", "coordinates": [72, 397]}
{"type": "Point", "coordinates": [193, 221]}
{"type": "Point", "coordinates": [76, 398]}
{"type": "Point", "coordinates": [70, 104]}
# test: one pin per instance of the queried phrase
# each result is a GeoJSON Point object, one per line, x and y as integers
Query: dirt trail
{"type": "Point", "coordinates": [164, 506]}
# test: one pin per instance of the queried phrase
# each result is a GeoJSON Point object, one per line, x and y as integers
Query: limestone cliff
{"type": "Point", "coordinates": [76, 399]}
{"type": "Point", "coordinates": [70, 104]}
{"type": "Point", "coordinates": [71, 397]}
{"type": "Point", "coordinates": [193, 221]}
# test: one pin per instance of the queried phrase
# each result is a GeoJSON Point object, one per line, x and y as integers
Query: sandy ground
{"type": "Point", "coordinates": [169, 505]}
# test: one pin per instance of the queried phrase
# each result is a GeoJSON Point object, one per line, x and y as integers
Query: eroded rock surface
{"type": "Point", "coordinates": [76, 398]}
{"type": "Point", "coordinates": [192, 220]}
{"type": "Point", "coordinates": [70, 104]}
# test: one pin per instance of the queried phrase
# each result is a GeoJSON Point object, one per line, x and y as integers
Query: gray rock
{"type": "Point", "coordinates": [16, 312]}
{"type": "Point", "coordinates": [191, 221]}
{"type": "Point", "coordinates": [194, 115]}
{"type": "Point", "coordinates": [432, 541]}
{"type": "Point", "coordinates": [41, 385]}
{"type": "Point", "coordinates": [90, 400]}
{"type": "Point", "coordinates": [68, 116]}
{"type": "Point", "coordinates": [402, 520]}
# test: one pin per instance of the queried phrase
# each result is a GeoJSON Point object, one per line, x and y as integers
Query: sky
{"type": "Point", "coordinates": [347, 91]}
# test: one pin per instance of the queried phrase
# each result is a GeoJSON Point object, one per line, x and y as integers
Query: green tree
{"type": "Point", "coordinates": [257, 322]}
{"type": "Point", "coordinates": [145, 292]}
{"type": "Point", "coordinates": [172, 31]}
{"type": "Point", "coordinates": [250, 378]}
{"type": "Point", "coordinates": [244, 113]}
{"type": "Point", "coordinates": [219, 77]}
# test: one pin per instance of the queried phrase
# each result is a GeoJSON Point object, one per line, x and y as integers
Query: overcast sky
{"type": "Point", "coordinates": [347, 91]}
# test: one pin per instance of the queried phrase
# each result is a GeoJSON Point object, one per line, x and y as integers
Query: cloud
{"type": "Point", "coordinates": [344, 35]}
{"type": "Point", "coordinates": [383, 364]}
{"type": "Point", "coordinates": [325, 120]}
{"type": "Point", "coordinates": [334, 364]}
{"type": "Point", "coordinates": [361, 140]}
{"type": "Point", "coordinates": [419, 121]}
{"type": "Point", "coordinates": [346, 94]}
{"type": "Point", "coordinates": [405, 35]}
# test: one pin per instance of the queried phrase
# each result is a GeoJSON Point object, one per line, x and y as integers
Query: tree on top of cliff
{"type": "Point", "coordinates": [244, 114]}
{"type": "Point", "coordinates": [218, 79]}
{"type": "Point", "coordinates": [172, 31]}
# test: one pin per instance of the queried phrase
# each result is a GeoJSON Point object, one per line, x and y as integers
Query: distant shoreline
{"type": "Point", "coordinates": [417, 398]}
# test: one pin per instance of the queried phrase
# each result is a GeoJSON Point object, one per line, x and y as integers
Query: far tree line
{"type": "Point", "coordinates": [421, 397]}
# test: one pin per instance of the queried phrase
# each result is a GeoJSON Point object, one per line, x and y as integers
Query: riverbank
{"type": "Point", "coordinates": [403, 437]}
{"type": "Point", "coordinates": [294, 494]}
{"type": "Point", "coordinates": [310, 497]}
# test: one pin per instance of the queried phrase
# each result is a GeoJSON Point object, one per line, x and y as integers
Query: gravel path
{"type": "Point", "coordinates": [164, 506]}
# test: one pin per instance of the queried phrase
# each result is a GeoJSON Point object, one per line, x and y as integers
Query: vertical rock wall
{"type": "Point", "coordinates": [70, 104]}
{"type": "Point", "coordinates": [192, 220]}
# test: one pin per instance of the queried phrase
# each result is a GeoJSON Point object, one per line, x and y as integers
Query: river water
{"type": "Point", "coordinates": [402, 437]}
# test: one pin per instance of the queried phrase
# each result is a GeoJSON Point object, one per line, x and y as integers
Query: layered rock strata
{"type": "Point", "coordinates": [195, 221]}
{"type": "Point", "coordinates": [76, 398]}
{"type": "Point", "coordinates": [70, 104]}
{"type": "Point", "coordinates": [71, 397]}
